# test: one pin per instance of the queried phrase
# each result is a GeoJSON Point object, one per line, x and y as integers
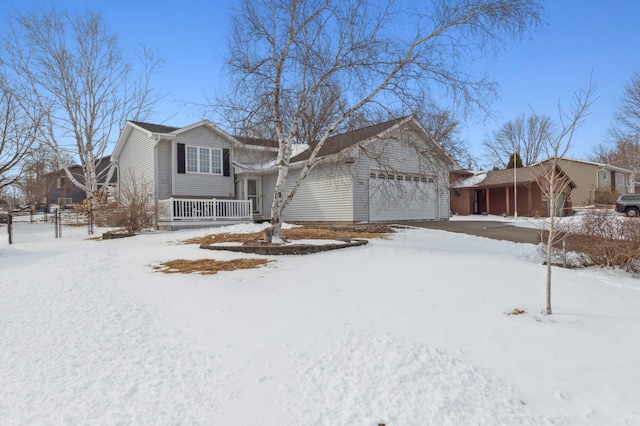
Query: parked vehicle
{"type": "Point", "coordinates": [628, 204]}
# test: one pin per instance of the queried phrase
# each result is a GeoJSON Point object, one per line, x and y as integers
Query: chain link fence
{"type": "Point", "coordinates": [27, 227]}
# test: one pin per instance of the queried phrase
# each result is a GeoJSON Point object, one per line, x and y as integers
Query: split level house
{"type": "Point", "coordinates": [391, 171]}
{"type": "Point", "coordinates": [596, 183]}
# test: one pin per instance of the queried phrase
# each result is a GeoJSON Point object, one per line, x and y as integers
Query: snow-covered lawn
{"type": "Point", "coordinates": [412, 330]}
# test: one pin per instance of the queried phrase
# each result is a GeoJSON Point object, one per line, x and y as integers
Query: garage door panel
{"type": "Point", "coordinates": [402, 200]}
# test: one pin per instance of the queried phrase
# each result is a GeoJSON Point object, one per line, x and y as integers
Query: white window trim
{"type": "Point", "coordinates": [211, 162]}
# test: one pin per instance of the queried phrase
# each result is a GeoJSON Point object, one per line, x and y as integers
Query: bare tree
{"type": "Point", "coordinates": [622, 152]}
{"type": "Point", "coordinates": [70, 69]}
{"type": "Point", "coordinates": [525, 135]}
{"type": "Point", "coordinates": [445, 130]}
{"type": "Point", "coordinates": [137, 208]}
{"type": "Point", "coordinates": [553, 181]}
{"type": "Point", "coordinates": [36, 166]}
{"type": "Point", "coordinates": [623, 147]}
{"type": "Point", "coordinates": [18, 132]}
{"type": "Point", "coordinates": [627, 117]}
{"type": "Point", "coordinates": [288, 54]}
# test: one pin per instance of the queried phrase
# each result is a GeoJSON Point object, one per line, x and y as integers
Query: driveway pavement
{"type": "Point", "coordinates": [483, 228]}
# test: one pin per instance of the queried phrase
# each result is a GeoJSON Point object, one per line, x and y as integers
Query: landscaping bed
{"type": "Point", "coordinates": [333, 238]}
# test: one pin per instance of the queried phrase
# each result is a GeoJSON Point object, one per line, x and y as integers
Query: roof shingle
{"type": "Point", "coordinates": [155, 128]}
{"type": "Point", "coordinates": [338, 143]}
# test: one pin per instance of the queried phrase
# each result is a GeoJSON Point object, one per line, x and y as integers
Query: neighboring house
{"type": "Point", "coordinates": [493, 192]}
{"type": "Point", "coordinates": [200, 172]}
{"type": "Point", "coordinates": [62, 191]}
{"type": "Point", "coordinates": [596, 183]}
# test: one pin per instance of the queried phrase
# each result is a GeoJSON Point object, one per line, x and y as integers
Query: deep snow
{"type": "Point", "coordinates": [409, 331]}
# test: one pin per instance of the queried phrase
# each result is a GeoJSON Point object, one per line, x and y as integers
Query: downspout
{"type": "Point", "coordinates": [593, 200]}
{"type": "Point", "coordinates": [118, 177]}
{"type": "Point", "coordinates": [155, 180]}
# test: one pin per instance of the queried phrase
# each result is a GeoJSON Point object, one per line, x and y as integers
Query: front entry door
{"type": "Point", "coordinates": [253, 189]}
{"type": "Point", "coordinates": [476, 201]}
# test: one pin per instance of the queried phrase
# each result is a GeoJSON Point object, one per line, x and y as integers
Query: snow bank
{"type": "Point", "coordinates": [409, 330]}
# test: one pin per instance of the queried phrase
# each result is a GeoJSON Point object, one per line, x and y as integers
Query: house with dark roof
{"type": "Point", "coordinates": [61, 191]}
{"type": "Point", "coordinates": [386, 172]}
{"type": "Point", "coordinates": [504, 192]}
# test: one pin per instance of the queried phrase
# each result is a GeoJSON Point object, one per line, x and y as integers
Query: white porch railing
{"type": "Point", "coordinates": [204, 210]}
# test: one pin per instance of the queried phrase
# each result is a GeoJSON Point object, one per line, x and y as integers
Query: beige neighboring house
{"type": "Point", "coordinates": [596, 183]}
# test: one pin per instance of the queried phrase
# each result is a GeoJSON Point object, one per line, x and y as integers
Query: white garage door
{"type": "Point", "coordinates": [395, 196]}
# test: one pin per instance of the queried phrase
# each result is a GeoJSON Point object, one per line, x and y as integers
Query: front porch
{"type": "Point", "coordinates": [180, 213]}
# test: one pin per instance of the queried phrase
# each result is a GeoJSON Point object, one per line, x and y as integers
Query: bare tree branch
{"type": "Point", "coordinates": [525, 135]}
{"type": "Point", "coordinates": [18, 133]}
{"type": "Point", "coordinates": [69, 69]}
{"type": "Point", "coordinates": [553, 180]}
{"type": "Point", "coordinates": [304, 68]}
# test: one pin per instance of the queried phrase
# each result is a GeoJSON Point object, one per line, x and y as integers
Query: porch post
{"type": "Point", "coordinates": [488, 201]}
{"type": "Point", "coordinates": [506, 191]}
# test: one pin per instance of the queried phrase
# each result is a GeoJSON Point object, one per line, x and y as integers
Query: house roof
{"type": "Point", "coordinates": [333, 145]}
{"type": "Point", "coordinates": [338, 143]}
{"type": "Point", "coordinates": [470, 181]}
{"type": "Point", "coordinates": [155, 128]}
{"type": "Point", "coordinates": [592, 163]}
{"type": "Point", "coordinates": [101, 163]}
{"type": "Point", "coordinates": [505, 177]}
{"type": "Point", "coordinates": [261, 142]}
{"type": "Point", "coordinates": [501, 177]}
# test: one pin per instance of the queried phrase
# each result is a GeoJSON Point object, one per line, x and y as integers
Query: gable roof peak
{"type": "Point", "coordinates": [154, 128]}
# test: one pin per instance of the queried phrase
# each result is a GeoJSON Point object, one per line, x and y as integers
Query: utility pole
{"type": "Point", "coordinates": [515, 180]}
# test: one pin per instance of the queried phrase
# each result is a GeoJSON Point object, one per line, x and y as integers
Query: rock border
{"type": "Point", "coordinates": [113, 235]}
{"type": "Point", "coordinates": [280, 249]}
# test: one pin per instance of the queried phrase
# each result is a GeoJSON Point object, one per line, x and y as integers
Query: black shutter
{"type": "Point", "coordinates": [181, 162]}
{"type": "Point", "coordinates": [226, 169]}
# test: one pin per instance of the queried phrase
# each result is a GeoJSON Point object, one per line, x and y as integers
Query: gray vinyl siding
{"type": "Point", "coordinates": [268, 184]}
{"type": "Point", "coordinates": [444, 195]}
{"type": "Point", "coordinates": [136, 160]}
{"type": "Point", "coordinates": [324, 195]}
{"type": "Point", "coordinates": [164, 170]}
{"type": "Point", "coordinates": [360, 173]}
{"type": "Point", "coordinates": [202, 185]}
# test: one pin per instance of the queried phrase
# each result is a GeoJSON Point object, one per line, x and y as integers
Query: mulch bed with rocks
{"type": "Point", "coordinates": [344, 237]}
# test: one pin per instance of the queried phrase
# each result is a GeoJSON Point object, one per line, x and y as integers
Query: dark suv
{"type": "Point", "coordinates": [628, 204]}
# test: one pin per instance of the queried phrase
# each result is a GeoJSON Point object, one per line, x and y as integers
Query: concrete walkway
{"type": "Point", "coordinates": [483, 228]}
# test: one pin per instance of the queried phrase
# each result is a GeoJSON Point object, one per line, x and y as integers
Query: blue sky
{"type": "Point", "coordinates": [582, 38]}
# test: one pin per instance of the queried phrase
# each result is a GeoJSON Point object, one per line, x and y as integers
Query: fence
{"type": "Point", "coordinates": [30, 226]}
